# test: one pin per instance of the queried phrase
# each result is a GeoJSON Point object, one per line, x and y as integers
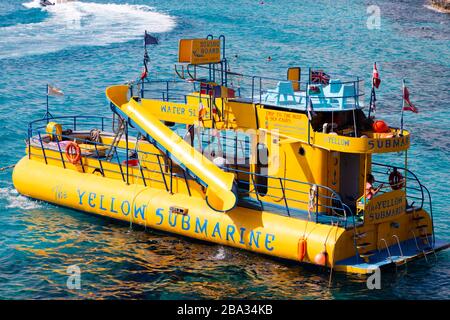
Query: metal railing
{"type": "Point", "coordinates": [120, 155]}
{"type": "Point", "coordinates": [320, 200]}
{"type": "Point", "coordinates": [417, 194]}
{"type": "Point", "coordinates": [253, 88]}
{"type": "Point", "coordinates": [262, 86]}
{"type": "Point", "coordinates": [288, 192]}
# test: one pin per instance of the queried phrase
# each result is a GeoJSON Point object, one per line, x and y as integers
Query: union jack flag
{"type": "Point", "coordinates": [318, 76]}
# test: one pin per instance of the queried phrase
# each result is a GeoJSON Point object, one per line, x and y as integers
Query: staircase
{"type": "Point", "coordinates": [420, 232]}
{"type": "Point", "coordinates": [365, 246]}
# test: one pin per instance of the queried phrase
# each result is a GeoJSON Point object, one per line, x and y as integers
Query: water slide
{"type": "Point", "coordinates": [220, 193]}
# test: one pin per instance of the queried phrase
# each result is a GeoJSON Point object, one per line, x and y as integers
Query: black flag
{"type": "Point", "coordinates": [148, 39]}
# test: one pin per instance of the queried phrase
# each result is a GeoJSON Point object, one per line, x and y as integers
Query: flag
{"type": "Point", "coordinates": [217, 91]}
{"type": "Point", "coordinates": [373, 100]}
{"type": "Point", "coordinates": [310, 110]}
{"type": "Point", "coordinates": [223, 92]}
{"type": "Point", "coordinates": [318, 76]}
{"type": "Point", "coordinates": [53, 91]}
{"type": "Point", "coordinates": [231, 93]}
{"type": "Point", "coordinates": [375, 76]}
{"type": "Point", "coordinates": [407, 105]}
{"type": "Point", "coordinates": [206, 88]}
{"type": "Point", "coordinates": [148, 39]}
{"type": "Point", "coordinates": [144, 73]}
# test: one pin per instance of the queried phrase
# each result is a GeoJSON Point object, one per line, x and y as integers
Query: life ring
{"type": "Point", "coordinates": [73, 152]}
{"type": "Point", "coordinates": [396, 180]}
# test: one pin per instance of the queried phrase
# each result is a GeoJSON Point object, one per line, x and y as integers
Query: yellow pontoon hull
{"type": "Point", "coordinates": [253, 230]}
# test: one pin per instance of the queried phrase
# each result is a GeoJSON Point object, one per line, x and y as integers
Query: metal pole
{"type": "Point", "coordinates": [403, 105]}
{"type": "Point", "coordinates": [46, 109]}
{"type": "Point", "coordinates": [372, 93]}
{"type": "Point", "coordinates": [406, 167]}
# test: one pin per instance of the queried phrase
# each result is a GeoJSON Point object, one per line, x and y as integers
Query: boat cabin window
{"type": "Point", "coordinates": [340, 121]}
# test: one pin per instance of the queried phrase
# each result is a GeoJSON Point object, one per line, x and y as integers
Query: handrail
{"type": "Point", "coordinates": [431, 212]}
{"type": "Point", "coordinates": [256, 86]}
{"type": "Point", "coordinates": [339, 210]}
{"type": "Point", "coordinates": [328, 200]}
{"type": "Point", "coordinates": [414, 178]}
{"type": "Point", "coordinates": [421, 188]}
{"type": "Point", "coordinates": [124, 176]}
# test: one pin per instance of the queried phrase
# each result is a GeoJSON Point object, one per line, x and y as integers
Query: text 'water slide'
{"type": "Point", "coordinates": [220, 194]}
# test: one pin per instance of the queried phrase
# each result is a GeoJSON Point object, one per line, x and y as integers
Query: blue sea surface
{"type": "Point", "coordinates": [82, 47]}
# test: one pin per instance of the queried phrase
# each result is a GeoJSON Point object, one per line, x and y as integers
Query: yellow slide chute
{"type": "Point", "coordinates": [220, 193]}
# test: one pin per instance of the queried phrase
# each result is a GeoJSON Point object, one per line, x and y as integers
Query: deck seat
{"type": "Point", "coordinates": [284, 89]}
{"type": "Point", "coordinates": [349, 96]}
{"type": "Point", "coordinates": [336, 93]}
{"type": "Point", "coordinates": [318, 99]}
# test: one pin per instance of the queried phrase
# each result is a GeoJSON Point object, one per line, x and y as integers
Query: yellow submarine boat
{"type": "Point", "coordinates": [274, 166]}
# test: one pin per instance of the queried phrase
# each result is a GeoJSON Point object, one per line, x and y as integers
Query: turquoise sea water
{"type": "Point", "coordinates": [83, 47]}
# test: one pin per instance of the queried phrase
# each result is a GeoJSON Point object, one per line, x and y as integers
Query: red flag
{"type": "Point", "coordinates": [408, 106]}
{"type": "Point", "coordinates": [375, 76]}
{"type": "Point", "coordinates": [144, 73]}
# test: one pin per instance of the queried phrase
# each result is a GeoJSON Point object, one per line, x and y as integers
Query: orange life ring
{"type": "Point", "coordinates": [73, 152]}
{"type": "Point", "coordinates": [396, 180]}
{"type": "Point", "coordinates": [301, 249]}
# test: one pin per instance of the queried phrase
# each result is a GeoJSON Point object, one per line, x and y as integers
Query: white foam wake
{"type": "Point", "coordinates": [81, 23]}
{"type": "Point", "coordinates": [17, 201]}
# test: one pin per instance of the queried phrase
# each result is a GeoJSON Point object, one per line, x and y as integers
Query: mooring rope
{"type": "Point", "coordinates": [7, 167]}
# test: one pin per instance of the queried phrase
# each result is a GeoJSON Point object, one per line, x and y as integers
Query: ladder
{"type": "Point", "coordinates": [116, 140]}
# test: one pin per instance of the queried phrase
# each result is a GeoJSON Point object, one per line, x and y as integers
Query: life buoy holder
{"type": "Point", "coordinates": [396, 180]}
{"type": "Point", "coordinates": [73, 152]}
{"type": "Point", "coordinates": [54, 130]}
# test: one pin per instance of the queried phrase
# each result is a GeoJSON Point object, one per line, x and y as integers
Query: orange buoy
{"type": "Point", "coordinates": [379, 126]}
{"type": "Point", "coordinates": [301, 249]}
{"type": "Point", "coordinates": [73, 152]}
{"type": "Point", "coordinates": [321, 258]}
{"type": "Point", "coordinates": [396, 180]}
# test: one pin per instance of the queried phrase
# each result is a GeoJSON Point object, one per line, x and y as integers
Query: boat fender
{"type": "Point", "coordinates": [321, 258]}
{"type": "Point", "coordinates": [301, 249]}
{"type": "Point", "coordinates": [54, 130]}
{"type": "Point", "coordinates": [73, 152]}
{"type": "Point", "coordinates": [396, 180]}
{"type": "Point", "coordinates": [379, 126]}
